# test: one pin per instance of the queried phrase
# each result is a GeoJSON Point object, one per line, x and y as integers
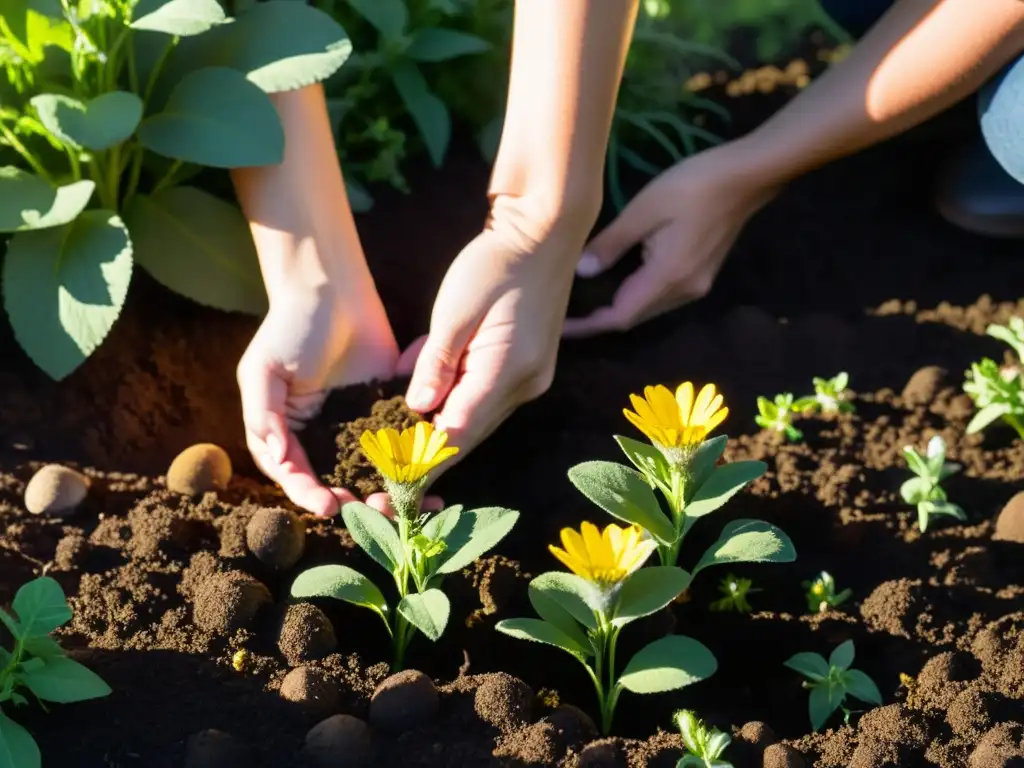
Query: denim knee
{"type": "Point", "coordinates": [1001, 114]}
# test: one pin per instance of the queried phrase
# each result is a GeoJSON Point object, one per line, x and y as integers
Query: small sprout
{"type": "Point", "coordinates": [1012, 333]}
{"type": "Point", "coordinates": [777, 415]}
{"type": "Point", "coordinates": [998, 393]}
{"type": "Point", "coordinates": [925, 490]}
{"type": "Point", "coordinates": [734, 591]}
{"type": "Point", "coordinates": [821, 593]}
{"type": "Point", "coordinates": [830, 396]}
{"type": "Point", "coordinates": [830, 682]}
{"type": "Point", "coordinates": [240, 659]}
{"type": "Point", "coordinates": [704, 744]}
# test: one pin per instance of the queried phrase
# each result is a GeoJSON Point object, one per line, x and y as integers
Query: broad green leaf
{"type": "Point", "coordinates": [12, 625]}
{"type": "Point", "coordinates": [28, 203]}
{"type": "Point", "coordinates": [374, 533]}
{"type": "Point", "coordinates": [703, 463]}
{"type": "Point", "coordinates": [17, 747]}
{"type": "Point", "coordinates": [721, 486]}
{"type": "Point", "coordinates": [821, 704]}
{"type": "Point", "coordinates": [842, 656]}
{"type": "Point", "coordinates": [99, 124]}
{"type": "Point", "coordinates": [944, 508]}
{"type": "Point", "coordinates": [43, 646]}
{"type": "Point", "coordinates": [181, 18]}
{"type": "Point", "coordinates": [748, 541]}
{"type": "Point", "coordinates": [215, 117]}
{"type": "Point", "coordinates": [810, 665]}
{"type": "Point", "coordinates": [388, 17]}
{"type": "Point", "coordinates": [442, 524]}
{"type": "Point", "coordinates": [622, 493]}
{"type": "Point", "coordinates": [668, 664]}
{"type": "Point", "coordinates": [915, 489]}
{"type": "Point", "coordinates": [428, 112]}
{"type": "Point", "coordinates": [63, 680]}
{"type": "Point", "coordinates": [579, 598]}
{"type": "Point", "coordinates": [549, 609]}
{"type": "Point", "coordinates": [427, 611]}
{"type": "Point", "coordinates": [41, 607]}
{"type": "Point", "coordinates": [915, 461]}
{"type": "Point", "coordinates": [647, 591]}
{"type": "Point", "coordinates": [199, 246]}
{"type": "Point", "coordinates": [438, 44]}
{"type": "Point", "coordinates": [475, 533]}
{"type": "Point", "coordinates": [862, 687]}
{"type": "Point", "coordinates": [64, 288]}
{"type": "Point", "coordinates": [646, 458]}
{"type": "Point", "coordinates": [541, 632]}
{"type": "Point", "coordinates": [341, 583]}
{"type": "Point", "coordinates": [986, 416]}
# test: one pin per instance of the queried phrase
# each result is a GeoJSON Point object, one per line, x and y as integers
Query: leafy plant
{"type": "Point", "coordinates": [925, 490]}
{"type": "Point", "coordinates": [734, 595]}
{"type": "Point", "coordinates": [583, 613]}
{"type": "Point", "coordinates": [418, 550]}
{"type": "Point", "coordinates": [777, 415]}
{"type": "Point", "coordinates": [38, 665]}
{"type": "Point", "coordinates": [829, 396]}
{"type": "Point", "coordinates": [109, 107]}
{"type": "Point", "coordinates": [821, 593]}
{"type": "Point", "coordinates": [684, 466]}
{"type": "Point", "coordinates": [704, 744]}
{"type": "Point", "coordinates": [998, 392]}
{"type": "Point", "coordinates": [830, 682]}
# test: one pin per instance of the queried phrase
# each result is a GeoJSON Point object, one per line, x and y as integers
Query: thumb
{"type": "Point", "coordinates": [437, 366]}
{"type": "Point", "coordinates": [632, 226]}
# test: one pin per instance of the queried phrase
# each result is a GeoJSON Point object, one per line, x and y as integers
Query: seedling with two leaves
{"type": "Point", "coordinates": [704, 744]}
{"type": "Point", "coordinates": [830, 396]}
{"type": "Point", "coordinates": [777, 415]}
{"type": "Point", "coordinates": [925, 490]}
{"type": "Point", "coordinates": [830, 682]}
{"type": "Point", "coordinates": [734, 592]}
{"type": "Point", "coordinates": [821, 593]}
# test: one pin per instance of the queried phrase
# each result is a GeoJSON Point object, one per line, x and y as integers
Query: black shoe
{"type": "Point", "coordinates": [974, 193]}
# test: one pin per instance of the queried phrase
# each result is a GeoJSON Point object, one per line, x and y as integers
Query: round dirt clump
{"type": "Point", "coordinates": [312, 689]}
{"type": "Point", "coordinates": [214, 749]}
{"type": "Point", "coordinates": [924, 385]}
{"type": "Point", "coordinates": [226, 602]}
{"type": "Point", "coordinates": [1001, 747]}
{"type": "Point", "coordinates": [306, 634]}
{"type": "Point", "coordinates": [404, 701]}
{"type": "Point", "coordinates": [751, 742]}
{"type": "Point", "coordinates": [1010, 523]}
{"type": "Point", "coordinates": [969, 713]}
{"type": "Point", "coordinates": [277, 537]}
{"type": "Point", "coordinates": [199, 469]}
{"type": "Point", "coordinates": [340, 741]}
{"type": "Point", "coordinates": [573, 726]}
{"type": "Point", "coordinates": [607, 753]}
{"type": "Point", "coordinates": [55, 490]}
{"type": "Point", "coordinates": [783, 756]}
{"type": "Point", "coordinates": [503, 701]}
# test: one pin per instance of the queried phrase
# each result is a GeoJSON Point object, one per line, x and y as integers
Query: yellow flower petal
{"type": "Point", "coordinates": [407, 457]}
{"type": "Point", "coordinates": [716, 419]}
{"type": "Point", "coordinates": [569, 562]}
{"type": "Point", "coordinates": [700, 406]}
{"type": "Point", "coordinates": [663, 404]}
{"type": "Point", "coordinates": [596, 552]}
{"type": "Point", "coordinates": [574, 545]}
{"type": "Point", "coordinates": [684, 398]}
{"type": "Point", "coordinates": [603, 557]}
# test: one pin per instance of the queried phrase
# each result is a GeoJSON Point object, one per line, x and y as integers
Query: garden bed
{"type": "Point", "coordinates": [849, 270]}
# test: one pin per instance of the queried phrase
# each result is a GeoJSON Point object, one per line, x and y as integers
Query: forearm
{"type": "Point", "coordinates": [567, 61]}
{"type": "Point", "coordinates": [922, 57]}
{"type": "Point", "coordinates": [298, 211]}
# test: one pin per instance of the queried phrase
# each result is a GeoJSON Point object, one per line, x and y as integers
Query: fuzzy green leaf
{"type": "Point", "coordinates": [862, 687]}
{"type": "Point", "coordinates": [198, 246]}
{"type": "Point", "coordinates": [438, 44]}
{"type": "Point", "coordinates": [646, 458]}
{"type": "Point", "coordinates": [549, 608]}
{"type": "Point", "coordinates": [623, 493]}
{"type": "Point", "coordinates": [181, 18]}
{"type": "Point", "coordinates": [428, 112]}
{"type": "Point", "coordinates": [64, 288]}
{"type": "Point", "coordinates": [341, 583]}
{"type": "Point", "coordinates": [703, 463]}
{"type": "Point", "coordinates": [724, 483]}
{"type": "Point", "coordinates": [577, 597]}
{"type": "Point", "coordinates": [17, 747]}
{"type": "Point", "coordinates": [476, 532]}
{"type": "Point", "coordinates": [427, 611]}
{"type": "Point", "coordinates": [29, 203]}
{"type": "Point", "coordinates": [216, 117]}
{"type": "Point", "coordinates": [541, 632]}
{"type": "Point", "coordinates": [63, 680]}
{"type": "Point", "coordinates": [811, 665]}
{"type": "Point", "coordinates": [842, 656]}
{"type": "Point", "coordinates": [374, 533]}
{"type": "Point", "coordinates": [748, 541]}
{"type": "Point", "coordinates": [647, 591]}
{"type": "Point", "coordinates": [443, 523]}
{"type": "Point", "coordinates": [99, 124]}
{"type": "Point", "coordinates": [668, 664]}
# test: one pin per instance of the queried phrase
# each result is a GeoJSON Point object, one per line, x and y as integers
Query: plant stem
{"type": "Point", "coordinates": [1014, 422]}
{"type": "Point", "coordinates": [168, 178]}
{"type": "Point", "coordinates": [27, 156]}
{"type": "Point", "coordinates": [157, 68]}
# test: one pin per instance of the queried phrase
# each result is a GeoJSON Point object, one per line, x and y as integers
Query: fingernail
{"type": "Point", "coordinates": [421, 399]}
{"type": "Point", "coordinates": [588, 265]}
{"type": "Point", "coordinates": [275, 447]}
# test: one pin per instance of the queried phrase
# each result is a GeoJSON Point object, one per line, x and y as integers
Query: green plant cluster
{"type": "Point", "coordinates": [998, 390]}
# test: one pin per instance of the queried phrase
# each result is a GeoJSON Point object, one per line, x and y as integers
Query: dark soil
{"type": "Point", "coordinates": [849, 270]}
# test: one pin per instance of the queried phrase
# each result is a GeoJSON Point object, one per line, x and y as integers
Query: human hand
{"type": "Point", "coordinates": [310, 342]}
{"type": "Point", "coordinates": [688, 219]}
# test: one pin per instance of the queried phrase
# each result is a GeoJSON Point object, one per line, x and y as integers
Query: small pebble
{"type": "Point", "coordinates": [783, 756]}
{"type": "Point", "coordinates": [311, 688]}
{"type": "Point", "coordinates": [1010, 523]}
{"type": "Point", "coordinates": [199, 469]}
{"type": "Point", "coordinates": [404, 701]}
{"type": "Point", "coordinates": [55, 490]}
{"type": "Point", "coordinates": [277, 537]}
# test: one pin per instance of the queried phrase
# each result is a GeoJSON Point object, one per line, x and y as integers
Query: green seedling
{"type": "Point", "coordinates": [821, 593]}
{"type": "Point", "coordinates": [925, 490]}
{"type": "Point", "coordinates": [777, 415]}
{"type": "Point", "coordinates": [37, 665]}
{"type": "Point", "coordinates": [830, 682]}
{"type": "Point", "coordinates": [998, 391]}
{"type": "Point", "coordinates": [830, 396]}
{"type": "Point", "coordinates": [734, 595]}
{"type": "Point", "coordinates": [704, 744]}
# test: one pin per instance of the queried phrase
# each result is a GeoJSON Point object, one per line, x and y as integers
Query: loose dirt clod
{"type": "Point", "coordinates": [606, 753]}
{"type": "Point", "coordinates": [340, 741]}
{"type": "Point", "coordinates": [1001, 747]}
{"type": "Point", "coordinates": [55, 490]}
{"type": "Point", "coordinates": [312, 689]}
{"type": "Point", "coordinates": [226, 602]}
{"type": "Point", "coordinates": [924, 385]}
{"type": "Point", "coordinates": [782, 756]}
{"type": "Point", "coordinates": [404, 701]}
{"type": "Point", "coordinates": [214, 749]}
{"type": "Point", "coordinates": [573, 726]}
{"type": "Point", "coordinates": [354, 471]}
{"type": "Point", "coordinates": [306, 634]}
{"type": "Point", "coordinates": [1010, 523]}
{"type": "Point", "coordinates": [199, 469]}
{"type": "Point", "coordinates": [277, 537]}
{"type": "Point", "coordinates": [503, 701]}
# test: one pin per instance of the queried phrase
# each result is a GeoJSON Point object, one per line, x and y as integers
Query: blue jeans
{"type": "Point", "coordinates": [1000, 100]}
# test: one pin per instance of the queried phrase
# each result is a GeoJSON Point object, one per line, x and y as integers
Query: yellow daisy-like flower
{"type": "Point", "coordinates": [678, 421]}
{"type": "Point", "coordinates": [604, 558]}
{"type": "Point", "coordinates": [409, 456]}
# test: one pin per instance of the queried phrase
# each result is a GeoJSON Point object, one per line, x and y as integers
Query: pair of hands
{"type": "Point", "coordinates": [496, 321]}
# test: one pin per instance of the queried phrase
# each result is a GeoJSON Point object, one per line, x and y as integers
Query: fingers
{"type": "Point", "coordinates": [475, 408]}
{"type": "Point", "coordinates": [295, 476]}
{"type": "Point", "coordinates": [407, 360]}
{"type": "Point", "coordinates": [437, 365]}
{"type": "Point", "coordinates": [641, 296]}
{"type": "Point", "coordinates": [632, 226]}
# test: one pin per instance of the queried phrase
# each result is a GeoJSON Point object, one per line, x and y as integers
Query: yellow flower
{"type": "Point", "coordinates": [409, 456]}
{"type": "Point", "coordinates": [604, 558]}
{"type": "Point", "coordinates": [679, 421]}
